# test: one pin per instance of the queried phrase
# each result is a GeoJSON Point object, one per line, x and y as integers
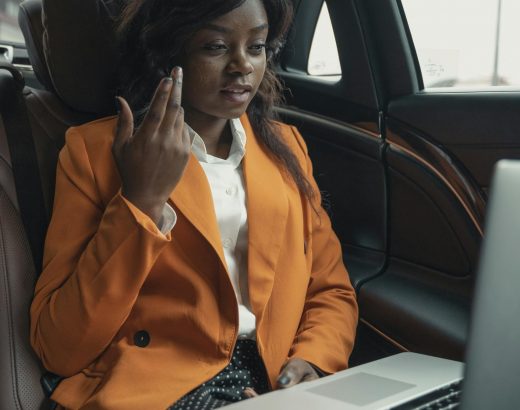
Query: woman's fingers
{"type": "Point", "coordinates": [179, 128]}
{"type": "Point", "coordinates": [291, 374]}
{"type": "Point", "coordinates": [310, 376]}
{"type": "Point", "coordinates": [155, 115]}
{"type": "Point", "coordinates": [155, 157]}
{"type": "Point", "coordinates": [173, 108]}
{"type": "Point", "coordinates": [186, 138]}
{"type": "Point", "coordinates": [125, 124]}
{"type": "Point", "coordinates": [294, 372]}
{"type": "Point", "coordinates": [249, 393]}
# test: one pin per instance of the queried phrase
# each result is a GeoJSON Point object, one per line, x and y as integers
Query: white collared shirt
{"type": "Point", "coordinates": [226, 181]}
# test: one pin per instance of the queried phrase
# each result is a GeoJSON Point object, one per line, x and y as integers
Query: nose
{"type": "Point", "coordinates": [240, 63]}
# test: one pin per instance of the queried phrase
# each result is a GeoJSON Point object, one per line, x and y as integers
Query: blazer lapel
{"type": "Point", "coordinates": [267, 210]}
{"type": "Point", "coordinates": [192, 197]}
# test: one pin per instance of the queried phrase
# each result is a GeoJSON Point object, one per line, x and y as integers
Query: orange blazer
{"type": "Point", "coordinates": [135, 319]}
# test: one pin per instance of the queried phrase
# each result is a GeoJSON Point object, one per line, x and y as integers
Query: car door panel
{"type": "Point", "coordinates": [348, 169]}
{"type": "Point", "coordinates": [477, 128]}
{"type": "Point", "coordinates": [422, 299]}
{"type": "Point", "coordinates": [419, 315]}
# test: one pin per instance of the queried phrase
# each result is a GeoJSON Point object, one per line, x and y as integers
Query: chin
{"type": "Point", "coordinates": [231, 114]}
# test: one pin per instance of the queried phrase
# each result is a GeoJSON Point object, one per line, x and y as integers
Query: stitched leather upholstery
{"type": "Point", "coordinates": [19, 368]}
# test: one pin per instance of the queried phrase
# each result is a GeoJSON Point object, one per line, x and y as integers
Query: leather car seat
{"type": "Point", "coordinates": [72, 50]}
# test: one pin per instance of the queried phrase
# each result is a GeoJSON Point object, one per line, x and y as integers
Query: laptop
{"type": "Point", "coordinates": [414, 381]}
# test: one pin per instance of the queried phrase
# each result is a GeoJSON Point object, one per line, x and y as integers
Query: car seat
{"type": "Point", "coordinates": [72, 50]}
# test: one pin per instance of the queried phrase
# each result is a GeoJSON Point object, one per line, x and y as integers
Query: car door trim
{"type": "Point", "coordinates": [320, 120]}
{"type": "Point", "coordinates": [443, 166]}
{"type": "Point", "coordinates": [384, 335]}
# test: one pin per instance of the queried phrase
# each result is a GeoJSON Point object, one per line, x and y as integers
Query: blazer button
{"type": "Point", "coordinates": [142, 338]}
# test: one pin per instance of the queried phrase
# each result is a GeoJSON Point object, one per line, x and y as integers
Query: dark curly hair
{"type": "Point", "coordinates": [152, 35]}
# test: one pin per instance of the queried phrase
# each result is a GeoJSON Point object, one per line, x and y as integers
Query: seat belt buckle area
{"type": "Point", "coordinates": [49, 381]}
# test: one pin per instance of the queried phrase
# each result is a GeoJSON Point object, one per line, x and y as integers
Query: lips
{"type": "Point", "coordinates": [237, 93]}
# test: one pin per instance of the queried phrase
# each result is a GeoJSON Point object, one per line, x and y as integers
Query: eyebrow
{"type": "Point", "coordinates": [226, 30]}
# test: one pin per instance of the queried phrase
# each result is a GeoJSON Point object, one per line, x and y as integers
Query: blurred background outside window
{"type": "Point", "coordinates": [466, 43]}
{"type": "Point", "coordinates": [9, 30]}
{"type": "Point", "coordinates": [323, 57]}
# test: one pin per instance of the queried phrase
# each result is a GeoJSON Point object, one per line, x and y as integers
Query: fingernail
{"type": "Point", "coordinates": [118, 105]}
{"type": "Point", "coordinates": [177, 71]}
{"type": "Point", "coordinates": [284, 380]}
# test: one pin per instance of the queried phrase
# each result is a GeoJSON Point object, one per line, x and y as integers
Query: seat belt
{"type": "Point", "coordinates": [24, 164]}
{"type": "Point", "coordinates": [49, 381]}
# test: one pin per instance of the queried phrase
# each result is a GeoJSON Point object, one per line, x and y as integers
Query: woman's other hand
{"type": "Point", "coordinates": [151, 161]}
{"type": "Point", "coordinates": [296, 371]}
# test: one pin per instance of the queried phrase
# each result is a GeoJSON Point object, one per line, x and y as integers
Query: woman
{"type": "Point", "coordinates": [188, 246]}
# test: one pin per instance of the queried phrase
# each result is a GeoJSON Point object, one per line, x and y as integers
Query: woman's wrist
{"type": "Point", "coordinates": [152, 208]}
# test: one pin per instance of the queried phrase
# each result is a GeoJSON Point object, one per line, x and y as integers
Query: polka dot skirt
{"type": "Point", "coordinates": [245, 370]}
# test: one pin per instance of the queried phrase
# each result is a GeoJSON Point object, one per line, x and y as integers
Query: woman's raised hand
{"type": "Point", "coordinates": [151, 161]}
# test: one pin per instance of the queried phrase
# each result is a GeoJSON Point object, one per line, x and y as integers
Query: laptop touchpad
{"type": "Point", "coordinates": [361, 389]}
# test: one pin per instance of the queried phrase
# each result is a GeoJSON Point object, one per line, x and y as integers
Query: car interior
{"type": "Point", "coordinates": [404, 173]}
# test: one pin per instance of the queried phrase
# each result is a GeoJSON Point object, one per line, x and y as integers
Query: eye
{"type": "Point", "coordinates": [257, 48]}
{"type": "Point", "coordinates": [215, 47]}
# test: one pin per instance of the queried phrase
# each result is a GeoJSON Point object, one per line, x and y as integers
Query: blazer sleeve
{"type": "Point", "coordinates": [325, 337]}
{"type": "Point", "coordinates": [96, 259]}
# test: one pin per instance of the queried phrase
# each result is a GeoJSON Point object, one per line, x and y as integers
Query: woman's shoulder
{"type": "Point", "coordinates": [97, 133]}
{"type": "Point", "coordinates": [90, 141]}
{"type": "Point", "coordinates": [88, 150]}
{"type": "Point", "coordinates": [288, 133]}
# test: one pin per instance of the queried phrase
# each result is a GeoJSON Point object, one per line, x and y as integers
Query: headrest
{"type": "Point", "coordinates": [74, 52]}
{"type": "Point", "coordinates": [30, 21]}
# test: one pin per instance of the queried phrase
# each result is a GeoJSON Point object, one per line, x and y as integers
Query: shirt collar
{"type": "Point", "coordinates": [236, 152]}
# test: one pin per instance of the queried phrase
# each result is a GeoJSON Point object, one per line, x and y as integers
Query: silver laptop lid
{"type": "Point", "coordinates": [492, 379]}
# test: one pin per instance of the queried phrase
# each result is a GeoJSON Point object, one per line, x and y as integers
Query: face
{"type": "Point", "coordinates": [225, 63]}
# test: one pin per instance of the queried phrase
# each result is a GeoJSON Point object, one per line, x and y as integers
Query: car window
{"type": "Point", "coordinates": [466, 43]}
{"type": "Point", "coordinates": [9, 30]}
{"type": "Point", "coordinates": [323, 57]}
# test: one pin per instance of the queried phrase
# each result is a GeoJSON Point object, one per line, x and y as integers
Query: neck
{"type": "Point", "coordinates": [215, 132]}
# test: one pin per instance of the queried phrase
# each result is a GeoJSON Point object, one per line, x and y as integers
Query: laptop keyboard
{"type": "Point", "coordinates": [445, 398]}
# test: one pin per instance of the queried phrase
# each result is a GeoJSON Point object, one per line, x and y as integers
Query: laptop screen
{"type": "Point", "coordinates": [492, 379]}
